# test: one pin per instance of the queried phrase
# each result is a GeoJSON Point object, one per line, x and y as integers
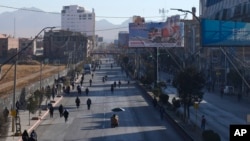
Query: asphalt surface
{"type": "Point", "coordinates": [139, 122]}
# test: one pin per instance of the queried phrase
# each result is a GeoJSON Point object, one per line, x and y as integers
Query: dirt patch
{"type": "Point", "coordinates": [25, 71]}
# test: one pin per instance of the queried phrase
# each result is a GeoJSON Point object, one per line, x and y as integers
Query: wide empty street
{"type": "Point", "coordinates": [139, 122]}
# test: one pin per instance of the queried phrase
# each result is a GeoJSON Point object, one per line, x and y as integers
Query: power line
{"type": "Point", "coordinates": [40, 11]}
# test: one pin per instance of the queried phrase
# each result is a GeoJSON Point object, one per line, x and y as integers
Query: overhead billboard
{"type": "Point", "coordinates": [231, 10]}
{"type": "Point", "coordinates": [157, 34]}
{"type": "Point", "coordinates": [224, 33]}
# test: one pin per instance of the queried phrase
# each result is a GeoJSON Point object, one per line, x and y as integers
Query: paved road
{"type": "Point", "coordinates": [139, 122]}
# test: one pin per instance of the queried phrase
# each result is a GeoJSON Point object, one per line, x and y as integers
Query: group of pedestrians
{"type": "Point", "coordinates": [27, 137]}
{"type": "Point", "coordinates": [114, 86]}
{"type": "Point", "coordinates": [78, 102]}
{"type": "Point", "coordinates": [62, 111]}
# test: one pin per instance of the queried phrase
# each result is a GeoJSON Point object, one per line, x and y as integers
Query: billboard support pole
{"type": "Point", "coordinates": [156, 65]}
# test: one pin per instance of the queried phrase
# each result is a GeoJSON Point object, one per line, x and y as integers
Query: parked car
{"type": "Point", "coordinates": [229, 90]}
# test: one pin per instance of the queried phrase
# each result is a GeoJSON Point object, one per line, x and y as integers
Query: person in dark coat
{"type": "Point", "coordinates": [25, 135]}
{"type": "Point", "coordinates": [33, 136]}
{"type": "Point", "coordinates": [119, 83]}
{"type": "Point", "coordinates": [90, 82]}
{"type": "Point", "coordinates": [112, 89]}
{"type": "Point", "coordinates": [51, 111]}
{"type": "Point", "coordinates": [87, 91]}
{"type": "Point", "coordinates": [66, 115]}
{"type": "Point", "coordinates": [89, 103]}
{"type": "Point", "coordinates": [6, 114]}
{"type": "Point", "coordinates": [77, 102]}
{"type": "Point", "coordinates": [203, 122]}
{"type": "Point", "coordinates": [60, 110]}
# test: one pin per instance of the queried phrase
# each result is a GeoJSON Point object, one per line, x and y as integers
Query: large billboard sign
{"type": "Point", "coordinates": [157, 34]}
{"type": "Point", "coordinates": [231, 10]}
{"type": "Point", "coordinates": [224, 33]}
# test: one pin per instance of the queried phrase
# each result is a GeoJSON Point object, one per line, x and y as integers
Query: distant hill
{"type": "Point", "coordinates": [27, 24]}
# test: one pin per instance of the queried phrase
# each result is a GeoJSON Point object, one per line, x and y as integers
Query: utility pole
{"type": "Point", "coordinates": [14, 96]}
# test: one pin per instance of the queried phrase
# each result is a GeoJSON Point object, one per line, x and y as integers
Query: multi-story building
{"type": "Point", "coordinates": [123, 39]}
{"type": "Point", "coordinates": [8, 45]}
{"type": "Point", "coordinates": [227, 10]}
{"type": "Point", "coordinates": [28, 46]}
{"type": "Point", "coordinates": [65, 46]}
{"type": "Point", "coordinates": [77, 19]}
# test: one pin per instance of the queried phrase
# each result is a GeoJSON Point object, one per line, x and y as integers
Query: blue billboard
{"type": "Point", "coordinates": [224, 33]}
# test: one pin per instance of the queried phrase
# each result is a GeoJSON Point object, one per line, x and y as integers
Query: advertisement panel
{"type": "Point", "coordinates": [225, 33]}
{"type": "Point", "coordinates": [157, 34]}
{"type": "Point", "coordinates": [231, 10]}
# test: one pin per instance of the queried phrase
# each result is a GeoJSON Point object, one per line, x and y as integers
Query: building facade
{"type": "Point", "coordinates": [30, 46]}
{"type": "Point", "coordinates": [65, 46]}
{"type": "Point", "coordinates": [77, 19]}
{"type": "Point", "coordinates": [123, 39]}
{"type": "Point", "coordinates": [7, 46]}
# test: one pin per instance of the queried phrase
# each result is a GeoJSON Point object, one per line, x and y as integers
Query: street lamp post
{"type": "Point", "coordinates": [14, 57]}
{"type": "Point", "coordinates": [193, 32]}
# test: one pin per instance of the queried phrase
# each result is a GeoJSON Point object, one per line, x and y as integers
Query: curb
{"type": "Point", "coordinates": [37, 123]}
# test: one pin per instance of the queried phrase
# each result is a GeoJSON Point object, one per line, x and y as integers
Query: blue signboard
{"type": "Point", "coordinates": [224, 33]}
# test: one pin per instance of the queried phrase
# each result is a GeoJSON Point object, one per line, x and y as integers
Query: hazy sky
{"type": "Point", "coordinates": [115, 11]}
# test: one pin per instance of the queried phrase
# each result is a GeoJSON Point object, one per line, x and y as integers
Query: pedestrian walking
{"type": "Point", "coordinates": [77, 102]}
{"type": "Point", "coordinates": [79, 90]}
{"type": "Point", "coordinates": [119, 83]}
{"type": "Point", "coordinates": [221, 92]}
{"type": "Point", "coordinates": [89, 102]}
{"type": "Point", "coordinates": [81, 82]}
{"type": "Point", "coordinates": [87, 91]}
{"type": "Point", "coordinates": [51, 111]}
{"type": "Point", "coordinates": [90, 82]}
{"type": "Point", "coordinates": [33, 136]}
{"type": "Point", "coordinates": [155, 102]}
{"type": "Point", "coordinates": [73, 85]}
{"type": "Point", "coordinates": [6, 114]}
{"type": "Point", "coordinates": [66, 115]}
{"type": "Point", "coordinates": [25, 136]}
{"type": "Point", "coordinates": [17, 107]}
{"type": "Point", "coordinates": [60, 110]}
{"type": "Point", "coordinates": [112, 88]}
{"type": "Point", "coordinates": [203, 122]}
{"type": "Point", "coordinates": [115, 84]}
{"type": "Point", "coordinates": [162, 112]}
{"type": "Point", "coordinates": [92, 75]}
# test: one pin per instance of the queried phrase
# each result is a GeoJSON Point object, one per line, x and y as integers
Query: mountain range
{"type": "Point", "coordinates": [28, 23]}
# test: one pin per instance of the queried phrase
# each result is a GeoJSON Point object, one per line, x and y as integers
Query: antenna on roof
{"type": "Point", "coordinates": [163, 14]}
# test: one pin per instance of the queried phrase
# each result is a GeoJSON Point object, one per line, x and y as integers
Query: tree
{"type": "Point", "coordinates": [38, 94]}
{"type": "Point", "coordinates": [234, 78]}
{"type": "Point", "coordinates": [189, 84]}
{"type": "Point", "coordinates": [125, 60]}
{"type": "Point", "coordinates": [32, 104]}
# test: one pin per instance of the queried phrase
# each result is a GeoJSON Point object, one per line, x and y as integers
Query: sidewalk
{"type": "Point", "coordinates": [190, 128]}
{"type": "Point", "coordinates": [220, 113]}
{"type": "Point", "coordinates": [27, 124]}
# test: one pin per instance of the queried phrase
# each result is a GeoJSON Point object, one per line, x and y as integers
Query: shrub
{"type": "Point", "coordinates": [210, 135]}
{"type": "Point", "coordinates": [157, 92]}
{"type": "Point", "coordinates": [164, 98]}
{"type": "Point", "coordinates": [176, 103]}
